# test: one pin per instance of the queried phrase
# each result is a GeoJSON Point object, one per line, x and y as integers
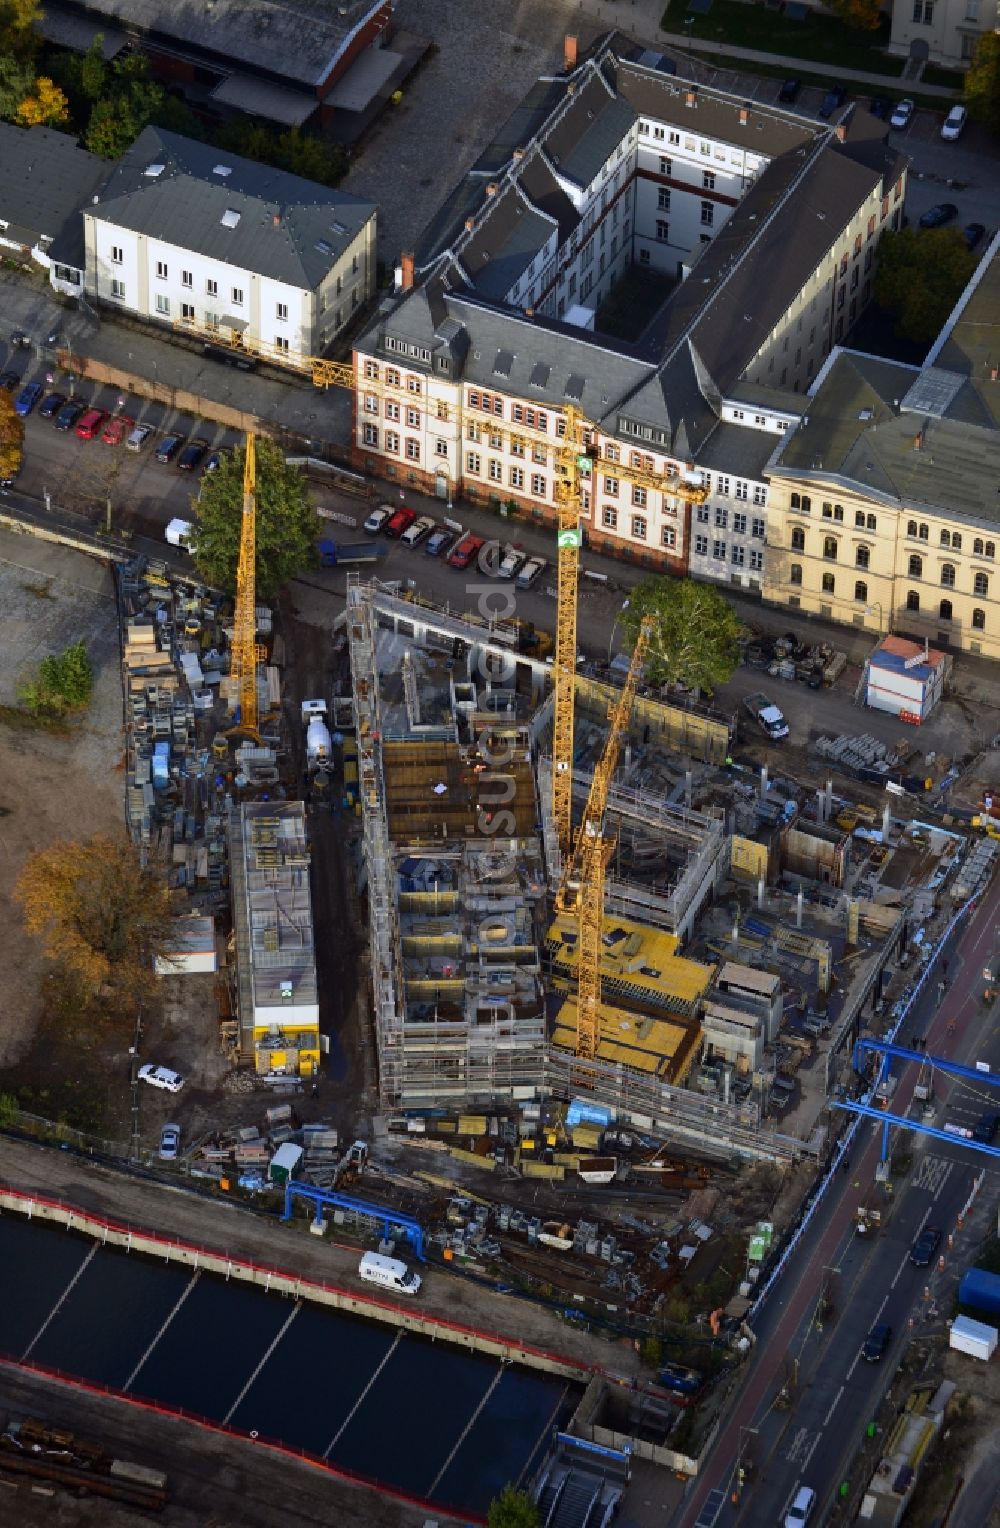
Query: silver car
{"type": "Point", "coordinates": [161, 1077]}
{"type": "Point", "coordinates": [170, 1143]}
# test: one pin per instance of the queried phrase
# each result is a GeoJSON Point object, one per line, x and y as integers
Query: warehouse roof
{"type": "Point", "coordinates": [227, 208]}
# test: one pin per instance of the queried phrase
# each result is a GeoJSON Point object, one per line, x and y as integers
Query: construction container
{"type": "Point", "coordinates": [973, 1337]}
{"type": "Point", "coordinates": [553, 1170]}
{"type": "Point", "coordinates": [472, 1124]}
{"type": "Point", "coordinates": [586, 1137]}
{"type": "Point", "coordinates": [284, 1163]}
{"type": "Point", "coordinates": [980, 1290]}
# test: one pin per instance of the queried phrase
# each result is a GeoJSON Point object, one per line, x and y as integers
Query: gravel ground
{"type": "Point", "coordinates": [51, 786]}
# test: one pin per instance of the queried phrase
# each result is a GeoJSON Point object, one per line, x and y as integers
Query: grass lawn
{"type": "Point", "coordinates": [818, 36]}
{"type": "Point", "coordinates": [951, 79]}
{"type": "Point", "coordinates": [631, 304]}
{"type": "Point", "coordinates": [776, 71]}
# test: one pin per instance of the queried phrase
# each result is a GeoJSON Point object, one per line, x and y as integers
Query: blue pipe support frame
{"type": "Point", "coordinates": [867, 1111]}
{"type": "Point", "coordinates": [389, 1220]}
{"type": "Point", "coordinates": [903, 1053]}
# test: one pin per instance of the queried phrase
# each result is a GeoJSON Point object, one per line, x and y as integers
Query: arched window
{"type": "Point", "coordinates": [870, 523]}
{"type": "Point", "coordinates": [795, 573]}
{"type": "Point", "coordinates": [990, 549]}
{"type": "Point", "coordinates": [911, 527]}
{"type": "Point", "coordinates": [859, 519]}
{"type": "Point", "coordinates": [944, 610]}
{"type": "Point", "coordinates": [956, 541]}
{"type": "Point", "coordinates": [862, 557]}
{"type": "Point", "coordinates": [916, 569]}
{"type": "Point", "coordinates": [948, 575]}
{"type": "Point", "coordinates": [828, 583]}
{"type": "Point", "coordinates": [981, 585]}
{"type": "Point", "coordinates": [798, 539]}
{"type": "Point", "coordinates": [830, 547]}
{"type": "Point", "coordinates": [925, 530]}
{"type": "Point", "coordinates": [946, 538]}
{"type": "Point", "coordinates": [913, 600]}
{"type": "Point", "coordinates": [861, 591]}
{"type": "Point", "coordinates": [979, 620]}
{"type": "Point", "coordinates": [977, 547]}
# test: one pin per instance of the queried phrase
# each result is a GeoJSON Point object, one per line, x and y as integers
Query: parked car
{"type": "Point", "coordinates": [880, 106]}
{"type": "Point", "coordinates": [117, 429]}
{"type": "Point", "coordinates": [27, 398]}
{"type": "Point", "coordinates": [511, 562]}
{"type": "Point", "coordinates": [138, 437]}
{"type": "Point", "coordinates": [90, 424]}
{"type": "Point", "coordinates": [20, 341]}
{"type": "Point", "coordinates": [467, 549]}
{"type": "Point", "coordinates": [377, 520]}
{"type": "Point", "coordinates": [902, 112]}
{"type": "Point", "coordinates": [399, 522]}
{"type": "Point", "coordinates": [954, 123]}
{"type": "Point", "coordinates": [161, 1077]}
{"type": "Point", "coordinates": [530, 572]}
{"type": "Point", "coordinates": [925, 1246]}
{"type": "Point", "coordinates": [51, 405]}
{"type": "Point", "coordinates": [834, 98]}
{"type": "Point", "coordinates": [438, 542]}
{"type": "Point", "coordinates": [972, 233]}
{"type": "Point", "coordinates": [417, 531]}
{"type": "Point", "coordinates": [170, 1143]}
{"type": "Point", "coordinates": [214, 462]}
{"type": "Point", "coordinates": [168, 448]}
{"type": "Point", "coordinates": [986, 1127]}
{"type": "Point", "coordinates": [69, 414]}
{"type": "Point", "coordinates": [877, 1343]}
{"type": "Point", "coordinates": [938, 215]}
{"type": "Point", "coordinates": [789, 91]}
{"type": "Point", "coordinates": [10, 381]}
{"type": "Point", "coordinates": [193, 455]}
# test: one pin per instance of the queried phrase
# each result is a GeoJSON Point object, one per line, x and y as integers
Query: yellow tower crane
{"type": "Point", "coordinates": [582, 887]}
{"type": "Point", "coordinates": [246, 652]}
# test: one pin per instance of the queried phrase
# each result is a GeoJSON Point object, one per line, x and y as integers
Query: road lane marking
{"type": "Point", "coordinates": [812, 1450]}
{"type": "Point", "coordinates": [854, 1365]}
{"type": "Point", "coordinates": [833, 1406]}
{"type": "Point", "coordinates": [880, 1310]}
{"type": "Point", "coordinates": [906, 1258]}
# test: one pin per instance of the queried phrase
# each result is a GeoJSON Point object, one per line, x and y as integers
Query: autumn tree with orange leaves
{"type": "Point", "coordinates": [102, 917]}
{"type": "Point", "coordinates": [44, 106]}
{"type": "Point", "coordinates": [11, 438]}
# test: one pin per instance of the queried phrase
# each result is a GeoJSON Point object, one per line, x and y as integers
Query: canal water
{"type": "Point", "coordinates": [426, 1418]}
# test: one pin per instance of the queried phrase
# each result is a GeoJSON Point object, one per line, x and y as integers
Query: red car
{"type": "Point", "coordinates": [118, 427]}
{"type": "Point", "coordinates": [90, 423]}
{"type": "Point", "coordinates": [468, 548]}
{"type": "Point", "coordinates": [400, 522]}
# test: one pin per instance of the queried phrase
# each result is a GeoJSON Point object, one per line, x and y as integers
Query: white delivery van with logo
{"type": "Point", "coordinates": [389, 1272]}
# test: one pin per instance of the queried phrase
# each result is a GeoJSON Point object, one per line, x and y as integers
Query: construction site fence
{"type": "Point", "coordinates": [592, 1432]}
{"type": "Point", "coordinates": [283, 1282]}
{"type": "Point", "coordinates": [207, 1424]}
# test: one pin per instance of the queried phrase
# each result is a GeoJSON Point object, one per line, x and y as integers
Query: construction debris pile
{"type": "Point", "coordinates": [248, 1153]}
{"type": "Point", "coordinates": [43, 1453]}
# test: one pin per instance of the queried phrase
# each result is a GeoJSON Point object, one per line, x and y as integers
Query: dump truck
{"type": "Point", "coordinates": [767, 716]}
{"type": "Point", "coordinates": [335, 554]}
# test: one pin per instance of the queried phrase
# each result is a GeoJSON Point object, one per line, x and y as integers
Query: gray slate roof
{"type": "Point", "coordinates": [300, 40]}
{"type": "Point", "coordinates": [505, 246]}
{"type": "Point", "coordinates": [44, 177]}
{"type": "Point", "coordinates": [859, 430]}
{"type": "Point", "coordinates": [185, 204]}
{"type": "Point", "coordinates": [734, 448]}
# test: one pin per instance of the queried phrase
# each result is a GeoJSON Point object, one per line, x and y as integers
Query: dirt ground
{"type": "Point", "coordinates": [51, 786]}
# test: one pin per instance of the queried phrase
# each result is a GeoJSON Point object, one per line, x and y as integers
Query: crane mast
{"type": "Point", "coordinates": [582, 887]}
{"type": "Point", "coordinates": [570, 465]}
{"type": "Point", "coordinates": [246, 653]}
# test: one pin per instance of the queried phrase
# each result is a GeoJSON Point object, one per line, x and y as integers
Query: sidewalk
{"type": "Point", "coordinates": [885, 84]}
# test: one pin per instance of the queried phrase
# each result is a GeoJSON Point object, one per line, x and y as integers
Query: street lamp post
{"type": "Point", "coordinates": [871, 609]}
{"type": "Point", "coordinates": [614, 628]}
{"type": "Point", "coordinates": [689, 28]}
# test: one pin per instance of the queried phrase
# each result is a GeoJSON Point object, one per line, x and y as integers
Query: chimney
{"type": "Point", "coordinates": [691, 96]}
{"type": "Point", "coordinates": [841, 132]}
{"type": "Point", "coordinates": [918, 440]}
{"type": "Point", "coordinates": [406, 265]}
{"type": "Point", "coordinates": [569, 53]}
{"type": "Point", "coordinates": [744, 114]}
{"type": "Point", "coordinates": [492, 188]}
{"type": "Point", "coordinates": [276, 219]}
{"type": "Point", "coordinates": [470, 224]}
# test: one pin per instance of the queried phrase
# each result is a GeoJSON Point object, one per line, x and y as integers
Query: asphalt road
{"type": "Point", "coordinates": [836, 1392]}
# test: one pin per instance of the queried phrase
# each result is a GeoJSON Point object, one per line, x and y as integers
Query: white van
{"type": "Point", "coordinates": [178, 533]}
{"type": "Point", "coordinates": [799, 1510]}
{"type": "Point", "coordinates": [389, 1272]}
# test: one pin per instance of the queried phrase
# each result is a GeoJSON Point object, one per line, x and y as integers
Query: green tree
{"type": "Point", "coordinates": [861, 15]}
{"type": "Point", "coordinates": [513, 1509]}
{"type": "Point", "coordinates": [982, 81]}
{"type": "Point", "coordinates": [132, 101]}
{"type": "Point", "coordinates": [297, 152]}
{"type": "Point", "coordinates": [94, 70]}
{"type": "Point", "coordinates": [18, 36]}
{"type": "Point", "coordinates": [694, 640]}
{"type": "Point", "coordinates": [64, 683]}
{"type": "Point", "coordinates": [17, 76]}
{"type": "Point", "coordinates": [287, 526]}
{"type": "Point", "coordinates": [920, 276]}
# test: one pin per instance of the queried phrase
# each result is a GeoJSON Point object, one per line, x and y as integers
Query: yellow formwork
{"type": "Point", "coordinates": [642, 951]}
{"type": "Point", "coordinates": [654, 1046]}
